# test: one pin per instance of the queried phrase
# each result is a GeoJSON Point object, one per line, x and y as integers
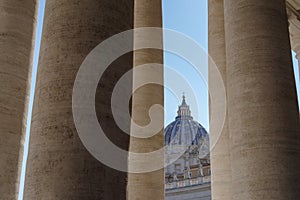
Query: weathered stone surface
{"type": "Point", "coordinates": [263, 111]}
{"type": "Point", "coordinates": [59, 167]}
{"type": "Point", "coordinates": [147, 185]}
{"type": "Point", "coordinates": [220, 152]}
{"type": "Point", "coordinates": [17, 21]}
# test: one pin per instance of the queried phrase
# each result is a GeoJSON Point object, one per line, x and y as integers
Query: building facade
{"type": "Point", "coordinates": [187, 175]}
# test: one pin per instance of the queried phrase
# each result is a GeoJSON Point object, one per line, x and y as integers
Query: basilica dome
{"type": "Point", "coordinates": [184, 130]}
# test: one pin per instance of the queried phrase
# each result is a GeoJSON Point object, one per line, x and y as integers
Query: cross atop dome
{"type": "Point", "coordinates": [183, 100]}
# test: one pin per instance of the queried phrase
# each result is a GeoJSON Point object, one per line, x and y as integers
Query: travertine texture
{"type": "Point", "coordinates": [17, 21]}
{"type": "Point", "coordinates": [59, 167]}
{"type": "Point", "coordinates": [263, 111]}
{"type": "Point", "coordinates": [220, 152]}
{"type": "Point", "coordinates": [147, 185]}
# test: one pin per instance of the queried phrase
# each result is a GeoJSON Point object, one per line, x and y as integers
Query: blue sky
{"type": "Point", "coordinates": [188, 17]}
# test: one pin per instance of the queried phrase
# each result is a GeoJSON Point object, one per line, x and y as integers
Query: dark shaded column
{"type": "Point", "coordinates": [17, 21]}
{"type": "Point", "coordinates": [59, 166]}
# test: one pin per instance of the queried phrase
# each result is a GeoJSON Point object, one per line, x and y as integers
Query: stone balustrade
{"type": "Point", "coordinates": [187, 182]}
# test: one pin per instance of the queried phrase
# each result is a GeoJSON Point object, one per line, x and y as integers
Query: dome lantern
{"type": "Point", "coordinates": [184, 109]}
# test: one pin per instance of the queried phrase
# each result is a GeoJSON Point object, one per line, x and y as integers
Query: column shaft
{"type": "Point", "coordinates": [59, 167]}
{"type": "Point", "coordinates": [262, 102]}
{"type": "Point", "coordinates": [147, 185]}
{"type": "Point", "coordinates": [220, 152]}
{"type": "Point", "coordinates": [17, 21]}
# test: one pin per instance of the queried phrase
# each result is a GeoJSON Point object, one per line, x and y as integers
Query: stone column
{"type": "Point", "coordinates": [147, 185]}
{"type": "Point", "coordinates": [17, 21]}
{"type": "Point", "coordinates": [220, 152]}
{"type": "Point", "coordinates": [59, 167]}
{"type": "Point", "coordinates": [262, 110]}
